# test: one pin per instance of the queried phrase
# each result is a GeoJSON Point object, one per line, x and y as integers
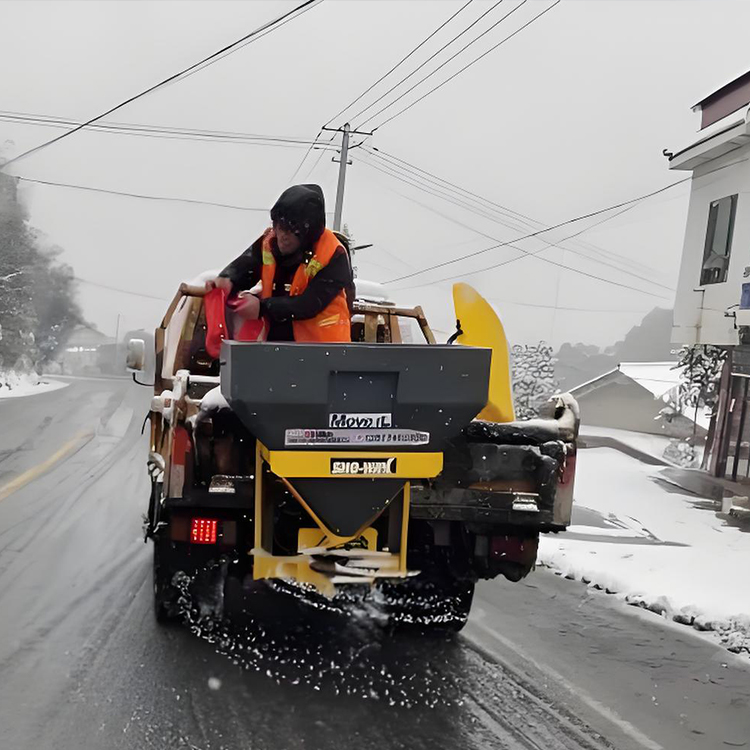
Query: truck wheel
{"type": "Point", "coordinates": [165, 594]}
{"type": "Point", "coordinates": [440, 604]}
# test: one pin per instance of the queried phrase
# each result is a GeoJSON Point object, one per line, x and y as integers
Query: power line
{"type": "Point", "coordinates": [526, 252]}
{"type": "Point", "coordinates": [273, 27]}
{"type": "Point", "coordinates": [505, 211]}
{"type": "Point", "coordinates": [442, 65]}
{"type": "Point", "coordinates": [575, 219]}
{"type": "Point", "coordinates": [118, 289]}
{"type": "Point", "coordinates": [141, 196]}
{"type": "Point", "coordinates": [433, 188]}
{"type": "Point", "coordinates": [432, 57]}
{"type": "Point", "coordinates": [591, 214]}
{"type": "Point", "coordinates": [622, 204]}
{"type": "Point", "coordinates": [476, 60]}
{"type": "Point", "coordinates": [247, 37]}
{"type": "Point", "coordinates": [324, 148]}
{"type": "Point", "coordinates": [155, 131]}
{"type": "Point", "coordinates": [307, 153]}
{"type": "Point", "coordinates": [500, 300]}
{"type": "Point", "coordinates": [400, 62]}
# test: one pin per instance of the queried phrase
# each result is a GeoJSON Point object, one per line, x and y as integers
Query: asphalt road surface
{"type": "Point", "coordinates": [542, 664]}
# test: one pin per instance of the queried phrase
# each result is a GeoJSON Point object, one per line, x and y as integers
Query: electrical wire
{"type": "Point", "coordinates": [488, 236]}
{"type": "Point", "coordinates": [575, 219]}
{"type": "Point", "coordinates": [466, 67]}
{"type": "Point", "coordinates": [118, 289]}
{"type": "Point", "coordinates": [304, 158]}
{"type": "Point", "coordinates": [527, 254]}
{"type": "Point", "coordinates": [539, 232]}
{"type": "Point", "coordinates": [505, 211]}
{"type": "Point", "coordinates": [182, 73]}
{"type": "Point", "coordinates": [155, 131]}
{"type": "Point", "coordinates": [273, 27]}
{"type": "Point", "coordinates": [141, 196]}
{"type": "Point", "coordinates": [439, 67]}
{"type": "Point", "coordinates": [502, 301]}
{"type": "Point", "coordinates": [318, 160]}
{"type": "Point", "coordinates": [478, 209]}
{"type": "Point", "coordinates": [432, 57]}
{"type": "Point", "coordinates": [621, 266]}
{"type": "Point", "coordinates": [399, 63]}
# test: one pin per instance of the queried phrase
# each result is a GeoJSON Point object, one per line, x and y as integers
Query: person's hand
{"type": "Point", "coordinates": [249, 307]}
{"type": "Point", "coordinates": [220, 282]}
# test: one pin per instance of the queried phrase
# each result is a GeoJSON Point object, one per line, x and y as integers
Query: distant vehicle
{"type": "Point", "coordinates": [332, 466]}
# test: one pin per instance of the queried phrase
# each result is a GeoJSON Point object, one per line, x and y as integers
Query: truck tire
{"type": "Point", "coordinates": [166, 609]}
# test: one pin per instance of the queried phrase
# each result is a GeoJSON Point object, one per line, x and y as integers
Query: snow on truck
{"type": "Point", "coordinates": [385, 463]}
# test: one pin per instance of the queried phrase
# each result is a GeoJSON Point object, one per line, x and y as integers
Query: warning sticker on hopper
{"type": "Point", "coordinates": [355, 437]}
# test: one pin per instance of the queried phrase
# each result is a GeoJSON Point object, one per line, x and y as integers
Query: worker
{"type": "Point", "coordinates": [305, 276]}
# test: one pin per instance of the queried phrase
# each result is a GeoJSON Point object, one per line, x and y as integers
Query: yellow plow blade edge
{"type": "Point", "coordinates": [482, 327]}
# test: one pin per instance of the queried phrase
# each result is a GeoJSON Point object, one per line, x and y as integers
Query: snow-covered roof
{"type": "Point", "coordinates": [657, 377]}
{"type": "Point", "coordinates": [84, 334]}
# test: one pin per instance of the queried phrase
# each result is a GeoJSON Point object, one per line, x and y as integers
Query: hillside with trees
{"type": "Point", "coordinates": [647, 342]}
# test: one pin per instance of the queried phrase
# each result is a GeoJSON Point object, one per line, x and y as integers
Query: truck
{"type": "Point", "coordinates": [392, 465]}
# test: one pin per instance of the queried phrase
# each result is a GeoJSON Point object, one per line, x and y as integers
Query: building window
{"type": "Point", "coordinates": [718, 240]}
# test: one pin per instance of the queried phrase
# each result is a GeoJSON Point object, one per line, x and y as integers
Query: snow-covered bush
{"type": "Point", "coordinates": [13, 382]}
{"type": "Point", "coordinates": [533, 367]}
{"type": "Point", "coordinates": [701, 366]}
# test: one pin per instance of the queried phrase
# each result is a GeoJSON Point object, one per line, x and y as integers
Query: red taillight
{"type": "Point", "coordinates": [203, 530]}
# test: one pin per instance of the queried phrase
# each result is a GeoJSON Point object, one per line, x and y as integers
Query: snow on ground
{"type": "Point", "coordinates": [652, 445]}
{"type": "Point", "coordinates": [14, 385]}
{"type": "Point", "coordinates": [654, 546]}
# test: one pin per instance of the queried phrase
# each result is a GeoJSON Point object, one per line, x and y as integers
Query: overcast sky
{"type": "Point", "coordinates": [569, 116]}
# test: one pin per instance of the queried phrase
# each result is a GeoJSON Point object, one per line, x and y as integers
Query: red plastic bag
{"type": "Point", "coordinates": [222, 310]}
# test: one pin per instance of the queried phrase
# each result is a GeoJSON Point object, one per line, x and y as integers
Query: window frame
{"type": "Point", "coordinates": [713, 211]}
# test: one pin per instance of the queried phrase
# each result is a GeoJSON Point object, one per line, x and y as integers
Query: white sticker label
{"type": "Point", "coordinates": [355, 437]}
{"type": "Point", "coordinates": [359, 421]}
{"type": "Point", "coordinates": [358, 466]}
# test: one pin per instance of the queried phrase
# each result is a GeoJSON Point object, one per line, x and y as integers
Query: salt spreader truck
{"type": "Point", "coordinates": [388, 463]}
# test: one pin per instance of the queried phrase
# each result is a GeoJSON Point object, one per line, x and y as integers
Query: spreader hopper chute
{"type": "Point", "coordinates": [347, 425]}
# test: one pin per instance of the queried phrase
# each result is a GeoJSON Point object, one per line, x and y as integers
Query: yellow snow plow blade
{"type": "Point", "coordinates": [481, 327]}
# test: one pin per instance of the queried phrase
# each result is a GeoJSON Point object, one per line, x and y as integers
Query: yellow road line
{"type": "Point", "coordinates": [37, 471]}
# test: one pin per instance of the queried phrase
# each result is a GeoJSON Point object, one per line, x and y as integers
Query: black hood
{"type": "Point", "coordinates": [302, 208]}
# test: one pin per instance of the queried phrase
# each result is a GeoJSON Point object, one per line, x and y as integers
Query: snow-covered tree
{"type": "Point", "coordinates": [700, 372]}
{"type": "Point", "coordinates": [37, 295]}
{"type": "Point", "coordinates": [534, 382]}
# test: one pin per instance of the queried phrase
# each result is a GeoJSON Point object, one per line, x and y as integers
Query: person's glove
{"type": "Point", "coordinates": [247, 306]}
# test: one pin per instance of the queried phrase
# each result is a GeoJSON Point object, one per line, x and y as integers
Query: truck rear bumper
{"type": "Point", "coordinates": [469, 505]}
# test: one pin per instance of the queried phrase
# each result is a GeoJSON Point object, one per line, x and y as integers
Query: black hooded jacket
{"type": "Point", "coordinates": [302, 208]}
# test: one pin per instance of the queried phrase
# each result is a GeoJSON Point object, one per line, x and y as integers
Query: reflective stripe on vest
{"type": "Point", "coordinates": [333, 323]}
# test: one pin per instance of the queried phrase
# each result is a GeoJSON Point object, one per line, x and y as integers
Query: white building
{"type": "Point", "coordinates": [710, 307]}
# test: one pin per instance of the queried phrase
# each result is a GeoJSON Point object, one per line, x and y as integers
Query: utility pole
{"type": "Point", "coordinates": [342, 178]}
{"type": "Point", "coordinates": [346, 131]}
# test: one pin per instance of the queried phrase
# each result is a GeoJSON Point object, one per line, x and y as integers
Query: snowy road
{"type": "Point", "coordinates": [543, 664]}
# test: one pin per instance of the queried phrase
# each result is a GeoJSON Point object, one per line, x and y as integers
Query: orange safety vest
{"type": "Point", "coordinates": [331, 324]}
